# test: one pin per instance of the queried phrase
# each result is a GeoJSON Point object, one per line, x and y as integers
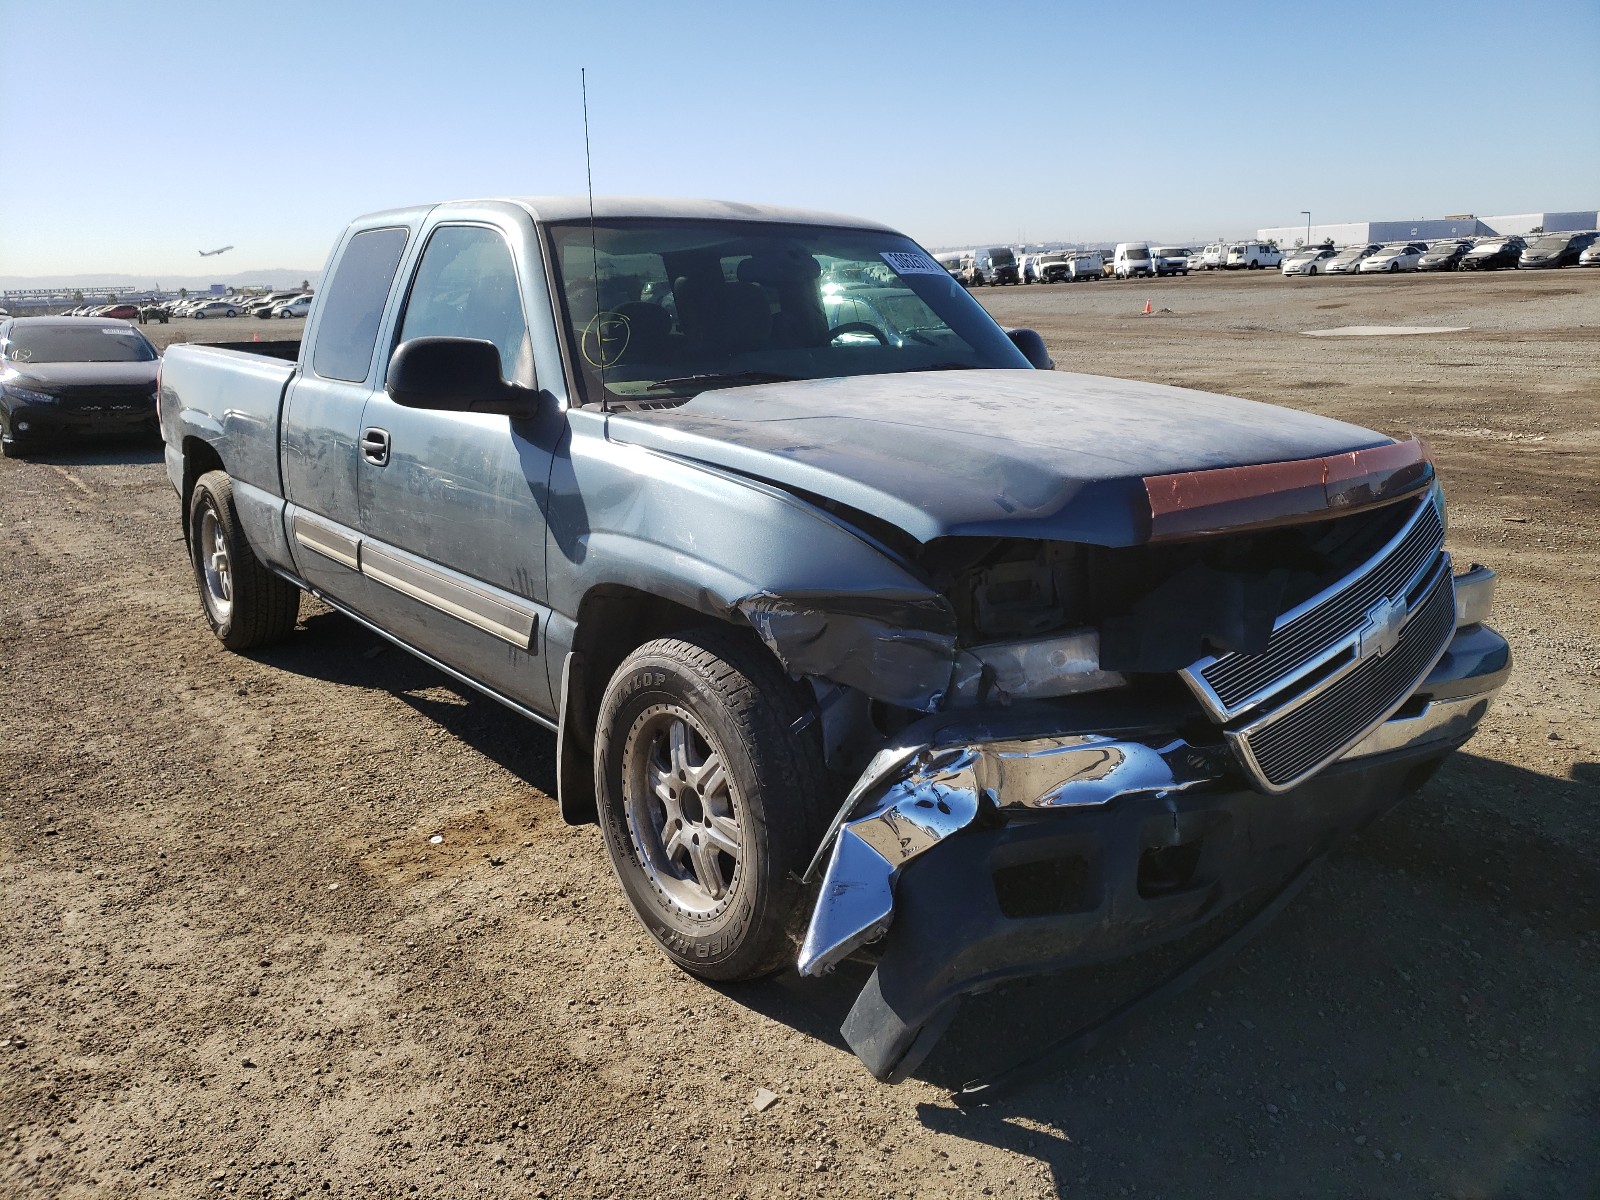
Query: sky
{"type": "Point", "coordinates": [134, 135]}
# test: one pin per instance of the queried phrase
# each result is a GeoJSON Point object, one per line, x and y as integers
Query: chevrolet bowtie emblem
{"type": "Point", "coordinates": [1381, 633]}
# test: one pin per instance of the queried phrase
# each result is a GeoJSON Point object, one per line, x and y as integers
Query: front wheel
{"type": "Point", "coordinates": [709, 803]}
{"type": "Point", "coordinates": [245, 604]}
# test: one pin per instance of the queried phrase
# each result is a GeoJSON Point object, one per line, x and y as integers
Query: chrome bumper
{"type": "Point", "coordinates": [916, 794]}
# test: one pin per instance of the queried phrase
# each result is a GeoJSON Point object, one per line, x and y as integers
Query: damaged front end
{"type": "Point", "coordinates": [1119, 746]}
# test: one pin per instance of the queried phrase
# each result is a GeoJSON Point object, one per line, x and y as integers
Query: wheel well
{"type": "Point", "coordinates": [198, 457]}
{"type": "Point", "coordinates": [613, 621]}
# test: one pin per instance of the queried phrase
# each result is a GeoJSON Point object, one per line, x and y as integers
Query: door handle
{"type": "Point", "coordinates": [375, 446]}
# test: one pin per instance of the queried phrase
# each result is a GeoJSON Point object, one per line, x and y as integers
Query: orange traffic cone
{"type": "Point", "coordinates": [1146, 311]}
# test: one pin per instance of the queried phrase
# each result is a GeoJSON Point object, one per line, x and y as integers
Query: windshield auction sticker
{"type": "Point", "coordinates": [911, 263]}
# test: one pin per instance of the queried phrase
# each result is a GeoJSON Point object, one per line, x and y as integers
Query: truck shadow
{"type": "Point", "coordinates": [333, 648]}
{"type": "Point", "coordinates": [107, 453]}
{"type": "Point", "coordinates": [1429, 993]}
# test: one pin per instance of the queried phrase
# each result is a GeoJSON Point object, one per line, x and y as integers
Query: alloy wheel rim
{"type": "Point", "coordinates": [684, 815]}
{"type": "Point", "coordinates": [215, 565]}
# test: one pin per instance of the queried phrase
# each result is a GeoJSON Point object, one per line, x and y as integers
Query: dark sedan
{"type": "Point", "coordinates": [1555, 250]}
{"type": "Point", "coordinates": [1493, 254]}
{"type": "Point", "coordinates": [1443, 256]}
{"type": "Point", "coordinates": [78, 376]}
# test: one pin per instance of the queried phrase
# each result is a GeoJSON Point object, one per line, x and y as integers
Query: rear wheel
{"type": "Point", "coordinates": [245, 604]}
{"type": "Point", "coordinates": [709, 803]}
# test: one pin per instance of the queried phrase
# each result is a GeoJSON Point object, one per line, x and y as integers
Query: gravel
{"type": "Point", "coordinates": [187, 1005]}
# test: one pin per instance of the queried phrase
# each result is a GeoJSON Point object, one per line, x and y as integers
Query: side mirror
{"type": "Point", "coordinates": [454, 374]}
{"type": "Point", "coordinates": [1032, 347]}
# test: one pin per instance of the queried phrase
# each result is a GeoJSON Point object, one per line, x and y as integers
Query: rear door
{"type": "Point", "coordinates": [452, 515]}
{"type": "Point", "coordinates": [321, 422]}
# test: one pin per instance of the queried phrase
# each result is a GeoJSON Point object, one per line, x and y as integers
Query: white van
{"type": "Point", "coordinates": [1253, 256]}
{"type": "Point", "coordinates": [1214, 257]}
{"type": "Point", "coordinates": [1132, 259]}
{"type": "Point", "coordinates": [1171, 260]}
{"type": "Point", "coordinates": [1086, 265]}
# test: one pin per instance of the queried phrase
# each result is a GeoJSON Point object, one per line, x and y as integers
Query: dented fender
{"type": "Point", "coordinates": [900, 651]}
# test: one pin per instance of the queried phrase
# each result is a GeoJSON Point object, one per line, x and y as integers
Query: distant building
{"type": "Point", "coordinates": [1354, 233]}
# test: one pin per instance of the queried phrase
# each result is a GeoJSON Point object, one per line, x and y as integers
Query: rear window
{"type": "Point", "coordinates": [353, 304]}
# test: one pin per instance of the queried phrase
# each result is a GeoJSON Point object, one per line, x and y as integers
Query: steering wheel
{"type": "Point", "coordinates": [858, 327]}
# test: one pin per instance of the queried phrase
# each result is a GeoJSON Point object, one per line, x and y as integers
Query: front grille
{"type": "Point", "coordinates": [1285, 747]}
{"type": "Point", "coordinates": [1306, 636]}
{"type": "Point", "coordinates": [124, 397]}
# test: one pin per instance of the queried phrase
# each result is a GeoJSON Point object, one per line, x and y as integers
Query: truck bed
{"type": "Point", "coordinates": [232, 395]}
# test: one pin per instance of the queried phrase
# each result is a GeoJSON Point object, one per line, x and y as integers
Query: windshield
{"type": "Point", "coordinates": [1002, 258]}
{"type": "Point", "coordinates": [659, 310]}
{"type": "Point", "coordinates": [82, 343]}
{"type": "Point", "coordinates": [1547, 244]}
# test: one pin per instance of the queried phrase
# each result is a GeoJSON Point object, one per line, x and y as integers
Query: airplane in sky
{"type": "Point", "coordinates": [209, 253]}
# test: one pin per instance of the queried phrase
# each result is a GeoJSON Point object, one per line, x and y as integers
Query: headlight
{"type": "Point", "coordinates": [27, 395]}
{"type": "Point", "coordinates": [1037, 668]}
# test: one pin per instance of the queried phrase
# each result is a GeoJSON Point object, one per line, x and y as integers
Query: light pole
{"type": "Point", "coordinates": [1307, 216]}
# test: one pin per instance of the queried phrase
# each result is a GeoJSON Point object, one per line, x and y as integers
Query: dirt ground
{"type": "Point", "coordinates": [236, 960]}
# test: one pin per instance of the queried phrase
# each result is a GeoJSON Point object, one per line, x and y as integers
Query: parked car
{"type": "Point", "coordinates": [1131, 260]}
{"type": "Point", "coordinates": [986, 673]}
{"type": "Point", "coordinates": [299, 306]}
{"type": "Point", "coordinates": [1493, 254]}
{"type": "Point", "coordinates": [1444, 256]}
{"type": "Point", "coordinates": [1556, 250]}
{"type": "Point", "coordinates": [1197, 260]}
{"type": "Point", "coordinates": [1214, 257]}
{"type": "Point", "coordinates": [1170, 260]}
{"type": "Point", "coordinates": [998, 266]}
{"type": "Point", "coordinates": [120, 312]}
{"type": "Point", "coordinates": [213, 308]}
{"type": "Point", "coordinates": [1307, 260]}
{"type": "Point", "coordinates": [1052, 267]}
{"type": "Point", "coordinates": [1253, 256]}
{"type": "Point", "coordinates": [1348, 260]}
{"type": "Point", "coordinates": [73, 377]}
{"type": "Point", "coordinates": [1591, 256]}
{"type": "Point", "coordinates": [1393, 258]}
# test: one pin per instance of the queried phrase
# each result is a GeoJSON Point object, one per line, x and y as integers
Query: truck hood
{"type": "Point", "coordinates": [1003, 453]}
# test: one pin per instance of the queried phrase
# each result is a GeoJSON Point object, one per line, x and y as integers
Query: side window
{"type": "Point", "coordinates": [352, 306]}
{"type": "Point", "coordinates": [466, 286]}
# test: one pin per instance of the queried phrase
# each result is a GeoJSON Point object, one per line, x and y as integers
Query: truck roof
{"type": "Point", "coordinates": [576, 208]}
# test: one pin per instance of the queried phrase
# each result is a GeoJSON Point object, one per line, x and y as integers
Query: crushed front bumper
{"type": "Point", "coordinates": [1079, 848]}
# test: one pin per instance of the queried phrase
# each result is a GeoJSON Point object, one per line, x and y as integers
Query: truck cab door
{"type": "Point", "coordinates": [321, 423]}
{"type": "Point", "coordinates": [452, 504]}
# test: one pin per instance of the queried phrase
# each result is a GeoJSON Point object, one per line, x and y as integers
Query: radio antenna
{"type": "Point", "coordinates": [594, 250]}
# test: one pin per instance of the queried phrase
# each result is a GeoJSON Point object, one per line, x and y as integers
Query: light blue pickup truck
{"type": "Point", "coordinates": [863, 633]}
